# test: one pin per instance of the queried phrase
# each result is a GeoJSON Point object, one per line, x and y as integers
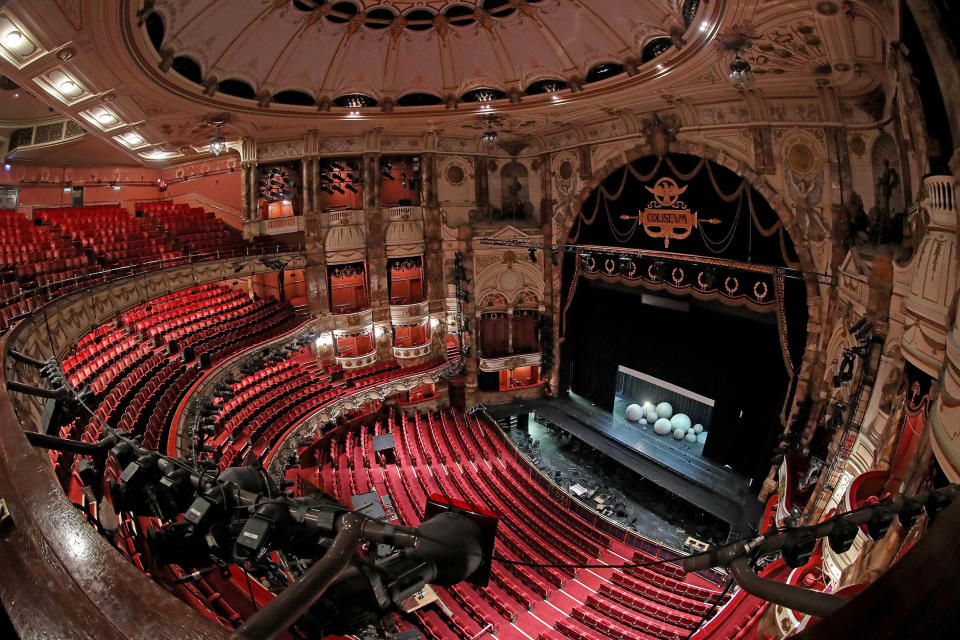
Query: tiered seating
{"type": "Point", "coordinates": [270, 402]}
{"type": "Point", "coordinates": [31, 257]}
{"type": "Point", "coordinates": [110, 232]}
{"type": "Point", "coordinates": [460, 457]}
{"type": "Point", "coordinates": [139, 379]}
{"type": "Point", "coordinates": [199, 231]}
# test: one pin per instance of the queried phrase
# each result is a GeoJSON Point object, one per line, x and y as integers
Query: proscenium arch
{"type": "Point", "coordinates": [803, 384]}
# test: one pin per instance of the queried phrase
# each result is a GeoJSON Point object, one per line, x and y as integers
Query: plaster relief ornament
{"type": "Point", "coordinates": [667, 216]}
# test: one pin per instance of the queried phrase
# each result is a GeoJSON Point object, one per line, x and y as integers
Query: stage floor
{"type": "Point", "coordinates": [716, 489]}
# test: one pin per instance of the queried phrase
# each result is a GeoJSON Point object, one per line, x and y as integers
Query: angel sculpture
{"type": "Point", "coordinates": [806, 194]}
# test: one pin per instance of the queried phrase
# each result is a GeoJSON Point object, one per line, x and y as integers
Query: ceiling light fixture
{"type": "Point", "coordinates": [12, 39]}
{"type": "Point", "coordinates": [132, 138]}
{"type": "Point", "coordinates": [741, 74]}
{"type": "Point", "coordinates": [106, 118]}
{"type": "Point", "coordinates": [488, 136]}
{"type": "Point", "coordinates": [68, 87]}
{"type": "Point", "coordinates": [218, 144]}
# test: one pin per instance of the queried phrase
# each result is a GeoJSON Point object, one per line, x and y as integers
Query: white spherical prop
{"type": "Point", "coordinates": [702, 437]}
{"type": "Point", "coordinates": [643, 421]}
{"type": "Point", "coordinates": [649, 406]}
{"type": "Point", "coordinates": [698, 428]}
{"type": "Point", "coordinates": [634, 412]}
{"type": "Point", "coordinates": [664, 410]}
{"type": "Point", "coordinates": [661, 427]}
{"type": "Point", "coordinates": [678, 434]}
{"type": "Point", "coordinates": [652, 416]}
{"type": "Point", "coordinates": [681, 421]}
{"type": "Point", "coordinates": [690, 437]}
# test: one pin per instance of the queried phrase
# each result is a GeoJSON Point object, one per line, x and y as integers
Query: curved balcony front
{"type": "Point", "coordinates": [401, 353]}
{"type": "Point", "coordinates": [415, 313]}
{"type": "Point", "coordinates": [353, 321]}
{"type": "Point", "coordinates": [355, 362]}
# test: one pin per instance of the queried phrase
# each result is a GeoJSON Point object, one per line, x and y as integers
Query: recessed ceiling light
{"type": "Point", "coordinates": [704, 26]}
{"type": "Point", "coordinates": [132, 138]}
{"type": "Point", "coordinates": [16, 94]}
{"type": "Point", "coordinates": [68, 87]}
{"type": "Point", "coordinates": [106, 118]}
{"type": "Point", "coordinates": [13, 38]}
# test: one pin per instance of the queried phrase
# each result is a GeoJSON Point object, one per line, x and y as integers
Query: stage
{"type": "Point", "coordinates": [716, 489]}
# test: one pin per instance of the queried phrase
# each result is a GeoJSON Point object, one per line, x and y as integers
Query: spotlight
{"type": "Point", "coordinates": [860, 324]}
{"type": "Point", "coordinates": [350, 187]}
{"type": "Point", "coordinates": [626, 265]}
{"type": "Point", "coordinates": [797, 550]}
{"type": "Point", "coordinates": [488, 136]}
{"type": "Point", "coordinates": [879, 523]}
{"type": "Point", "coordinates": [338, 189]}
{"type": "Point", "coordinates": [909, 512]}
{"type": "Point", "coordinates": [388, 175]}
{"type": "Point", "coordinates": [533, 255]}
{"type": "Point", "coordinates": [842, 536]}
{"type": "Point", "coordinates": [585, 259]}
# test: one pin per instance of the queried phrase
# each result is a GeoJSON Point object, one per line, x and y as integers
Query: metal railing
{"type": "Point", "coordinates": [50, 291]}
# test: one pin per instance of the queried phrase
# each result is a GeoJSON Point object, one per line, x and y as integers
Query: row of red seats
{"type": "Point", "coordinates": [444, 458]}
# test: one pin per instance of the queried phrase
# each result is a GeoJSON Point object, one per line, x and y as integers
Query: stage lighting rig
{"type": "Point", "coordinates": [213, 519]}
{"type": "Point", "coordinates": [795, 543]}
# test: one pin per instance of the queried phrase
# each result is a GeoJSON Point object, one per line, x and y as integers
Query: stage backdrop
{"type": "Point", "coordinates": [742, 340]}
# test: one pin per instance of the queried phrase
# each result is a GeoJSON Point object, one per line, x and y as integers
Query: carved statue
{"type": "Point", "coordinates": [886, 183]}
{"type": "Point", "coordinates": [890, 390]}
{"type": "Point", "coordinates": [806, 194]}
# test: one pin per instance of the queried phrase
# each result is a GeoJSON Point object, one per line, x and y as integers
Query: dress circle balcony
{"type": "Point", "coordinates": [355, 362]}
{"type": "Point", "coordinates": [401, 353]}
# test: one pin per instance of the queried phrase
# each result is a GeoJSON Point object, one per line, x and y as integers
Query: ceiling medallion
{"type": "Point", "coordinates": [827, 8]}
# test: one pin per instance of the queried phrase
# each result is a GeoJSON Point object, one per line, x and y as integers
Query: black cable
{"type": "Point", "coordinates": [253, 600]}
{"type": "Point", "coordinates": [713, 607]}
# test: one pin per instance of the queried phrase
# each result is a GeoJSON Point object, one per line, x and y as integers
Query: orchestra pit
{"type": "Point", "coordinates": [477, 319]}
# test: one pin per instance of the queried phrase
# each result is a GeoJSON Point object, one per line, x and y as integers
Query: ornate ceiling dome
{"type": "Point", "coordinates": [362, 53]}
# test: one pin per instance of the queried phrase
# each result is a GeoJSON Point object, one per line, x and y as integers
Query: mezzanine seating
{"type": "Point", "coordinates": [197, 230]}
{"type": "Point", "coordinates": [113, 234]}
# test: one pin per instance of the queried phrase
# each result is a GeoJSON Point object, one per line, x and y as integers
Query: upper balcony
{"type": "Point", "coordinates": [412, 313]}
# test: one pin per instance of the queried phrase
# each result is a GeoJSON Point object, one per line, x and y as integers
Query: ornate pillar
{"type": "Point", "coordinates": [471, 328]}
{"type": "Point", "coordinates": [481, 180]}
{"type": "Point", "coordinates": [248, 168]}
{"type": "Point", "coordinates": [435, 291]}
{"type": "Point", "coordinates": [306, 183]}
{"type": "Point", "coordinates": [377, 283]}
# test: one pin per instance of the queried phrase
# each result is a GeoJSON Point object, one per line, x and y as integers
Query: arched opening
{"type": "Point", "coordinates": [155, 29]}
{"type": "Point", "coordinates": [188, 68]}
{"type": "Point", "coordinates": [709, 313]}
